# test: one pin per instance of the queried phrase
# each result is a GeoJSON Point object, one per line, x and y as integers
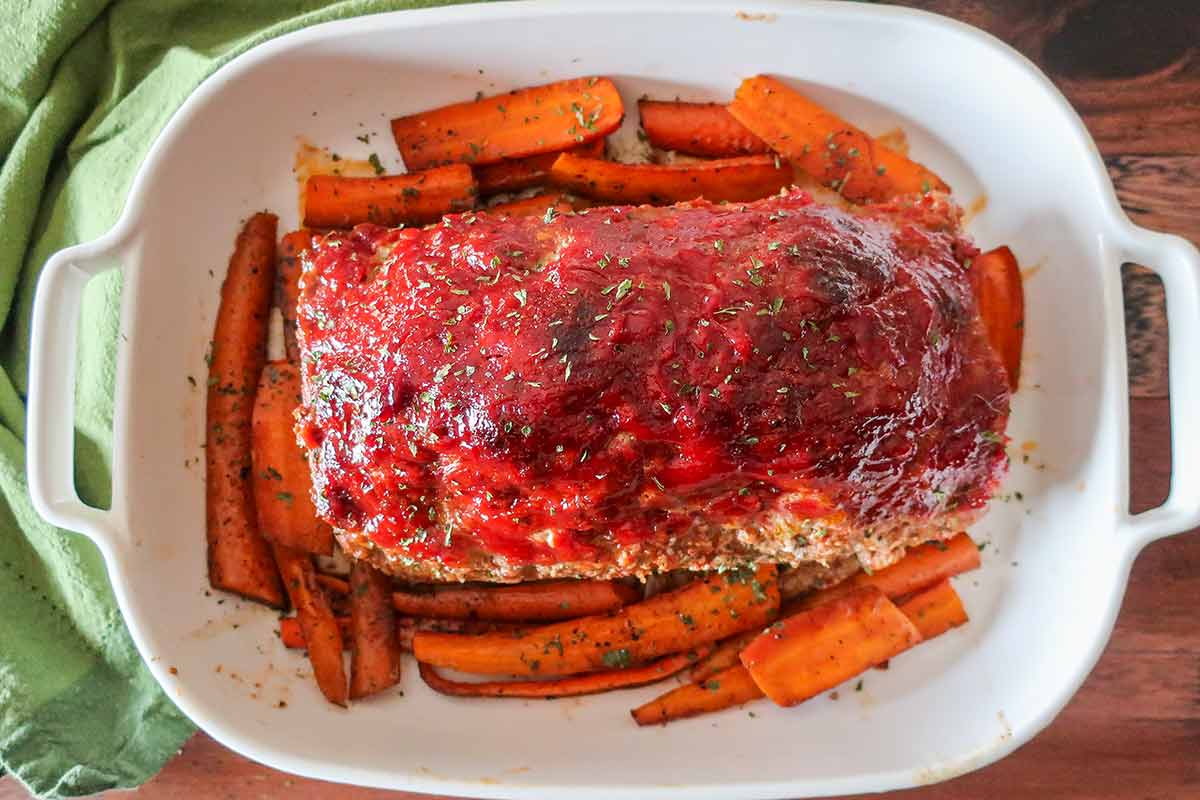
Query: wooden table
{"type": "Point", "coordinates": [1132, 69]}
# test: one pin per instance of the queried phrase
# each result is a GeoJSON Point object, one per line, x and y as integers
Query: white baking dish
{"type": "Point", "coordinates": [1042, 606]}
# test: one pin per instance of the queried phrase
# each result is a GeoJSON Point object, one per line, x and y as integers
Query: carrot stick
{"type": "Point", "coordinates": [698, 129]}
{"type": "Point", "coordinates": [333, 583]}
{"type": "Point", "coordinates": [733, 179]}
{"type": "Point", "coordinates": [543, 601]}
{"type": "Point", "coordinates": [239, 559]}
{"type": "Point", "coordinates": [730, 687]}
{"type": "Point", "coordinates": [292, 635]}
{"type": "Point", "coordinates": [723, 656]}
{"type": "Point", "coordinates": [516, 174]}
{"type": "Point", "coordinates": [590, 683]}
{"type": "Point", "coordinates": [374, 647]}
{"type": "Point", "coordinates": [922, 566]}
{"type": "Point", "coordinates": [935, 610]}
{"type": "Point", "coordinates": [415, 198]}
{"type": "Point", "coordinates": [322, 634]}
{"type": "Point", "coordinates": [814, 650]}
{"type": "Point", "coordinates": [288, 289]}
{"type": "Point", "coordinates": [1001, 298]}
{"type": "Point", "coordinates": [407, 628]}
{"type": "Point", "coordinates": [531, 206]}
{"type": "Point", "coordinates": [537, 119]}
{"type": "Point", "coordinates": [701, 612]}
{"type": "Point", "coordinates": [282, 481]}
{"type": "Point", "coordinates": [826, 146]}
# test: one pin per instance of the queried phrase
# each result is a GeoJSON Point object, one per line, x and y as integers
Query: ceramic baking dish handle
{"type": "Point", "coordinates": [51, 418]}
{"type": "Point", "coordinates": [1177, 262]}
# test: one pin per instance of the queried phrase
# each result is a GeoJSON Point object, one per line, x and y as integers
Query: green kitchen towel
{"type": "Point", "coordinates": [85, 85]}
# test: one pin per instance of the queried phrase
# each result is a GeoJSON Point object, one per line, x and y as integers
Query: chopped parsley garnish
{"type": "Point", "coordinates": [376, 165]}
{"type": "Point", "coordinates": [617, 659]}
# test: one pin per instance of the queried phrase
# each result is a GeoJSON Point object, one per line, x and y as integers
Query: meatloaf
{"type": "Point", "coordinates": [633, 390]}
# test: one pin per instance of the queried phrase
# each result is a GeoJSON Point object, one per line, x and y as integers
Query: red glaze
{"type": "Point", "coordinates": [477, 381]}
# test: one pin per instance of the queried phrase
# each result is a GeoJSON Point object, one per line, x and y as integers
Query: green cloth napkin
{"type": "Point", "coordinates": [85, 86]}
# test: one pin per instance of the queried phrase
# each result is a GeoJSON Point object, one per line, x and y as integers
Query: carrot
{"type": "Point", "coordinates": [814, 650]}
{"type": "Point", "coordinates": [921, 567]}
{"type": "Point", "coordinates": [935, 610]}
{"type": "Point", "coordinates": [415, 198]}
{"type": "Point", "coordinates": [282, 481]}
{"type": "Point", "coordinates": [543, 601]}
{"type": "Point", "coordinates": [540, 601]}
{"type": "Point", "coordinates": [292, 635]}
{"type": "Point", "coordinates": [698, 129]}
{"type": "Point", "coordinates": [532, 206]}
{"type": "Point", "coordinates": [730, 687]}
{"type": "Point", "coordinates": [827, 147]}
{"type": "Point", "coordinates": [701, 612]}
{"type": "Point", "coordinates": [723, 656]}
{"type": "Point", "coordinates": [537, 119]}
{"type": "Point", "coordinates": [333, 583]}
{"type": "Point", "coordinates": [322, 634]}
{"type": "Point", "coordinates": [516, 174]}
{"type": "Point", "coordinates": [288, 289]}
{"type": "Point", "coordinates": [374, 647]}
{"type": "Point", "coordinates": [734, 179]}
{"type": "Point", "coordinates": [407, 628]}
{"type": "Point", "coordinates": [590, 683]}
{"type": "Point", "coordinates": [239, 559]}
{"type": "Point", "coordinates": [1001, 298]}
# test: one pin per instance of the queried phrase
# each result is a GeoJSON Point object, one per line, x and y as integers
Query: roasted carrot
{"type": "Point", "coordinates": [239, 559]}
{"type": "Point", "coordinates": [292, 635]}
{"type": "Point", "coordinates": [827, 147]}
{"type": "Point", "coordinates": [415, 198]}
{"type": "Point", "coordinates": [590, 683]}
{"type": "Point", "coordinates": [543, 601]}
{"type": "Point", "coordinates": [730, 687]}
{"type": "Point", "coordinates": [701, 612]}
{"type": "Point", "coordinates": [814, 650]}
{"type": "Point", "coordinates": [734, 179]}
{"type": "Point", "coordinates": [1001, 298]}
{"type": "Point", "coordinates": [540, 601]}
{"type": "Point", "coordinates": [921, 567]}
{"type": "Point", "coordinates": [407, 628]}
{"type": "Point", "coordinates": [374, 647]}
{"type": "Point", "coordinates": [724, 655]}
{"type": "Point", "coordinates": [282, 480]}
{"type": "Point", "coordinates": [531, 206]}
{"type": "Point", "coordinates": [333, 583]}
{"type": "Point", "coordinates": [537, 119]}
{"type": "Point", "coordinates": [698, 129]}
{"type": "Point", "coordinates": [513, 175]}
{"type": "Point", "coordinates": [287, 295]}
{"type": "Point", "coordinates": [322, 634]}
{"type": "Point", "coordinates": [935, 610]}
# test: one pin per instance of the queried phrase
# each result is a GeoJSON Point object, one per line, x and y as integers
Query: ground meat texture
{"type": "Point", "coordinates": [632, 390]}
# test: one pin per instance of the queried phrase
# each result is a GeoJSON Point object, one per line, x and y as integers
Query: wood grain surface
{"type": "Point", "coordinates": [1132, 69]}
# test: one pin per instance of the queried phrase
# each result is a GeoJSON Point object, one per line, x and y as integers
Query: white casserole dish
{"type": "Point", "coordinates": [978, 113]}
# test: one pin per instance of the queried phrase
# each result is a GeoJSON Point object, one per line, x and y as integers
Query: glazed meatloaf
{"type": "Point", "coordinates": [633, 390]}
